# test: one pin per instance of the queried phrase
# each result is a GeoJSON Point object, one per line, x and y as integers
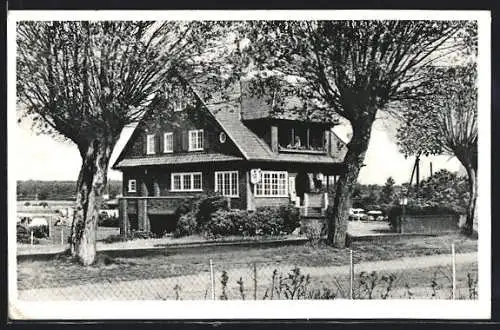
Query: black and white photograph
{"type": "Point", "coordinates": [249, 164]}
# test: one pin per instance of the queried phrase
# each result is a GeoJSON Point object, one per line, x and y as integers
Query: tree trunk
{"type": "Point", "coordinates": [471, 207]}
{"type": "Point", "coordinates": [356, 149]}
{"type": "Point", "coordinates": [90, 187]}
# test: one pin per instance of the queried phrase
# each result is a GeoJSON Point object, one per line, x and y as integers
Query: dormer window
{"type": "Point", "coordinates": [196, 140]}
{"type": "Point", "coordinates": [168, 142]}
{"type": "Point", "coordinates": [150, 144]}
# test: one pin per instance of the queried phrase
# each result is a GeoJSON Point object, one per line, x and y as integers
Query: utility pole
{"type": "Point", "coordinates": [417, 165]}
{"type": "Point", "coordinates": [431, 168]}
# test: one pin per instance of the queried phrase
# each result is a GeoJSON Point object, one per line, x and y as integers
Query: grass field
{"type": "Point", "coordinates": [64, 272]}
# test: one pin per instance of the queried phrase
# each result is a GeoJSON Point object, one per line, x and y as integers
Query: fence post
{"type": "Point", "coordinates": [255, 281]}
{"type": "Point", "coordinates": [62, 236]}
{"type": "Point", "coordinates": [453, 271]}
{"type": "Point", "coordinates": [212, 279]}
{"type": "Point", "coordinates": [351, 275]}
{"type": "Point", "coordinates": [31, 237]}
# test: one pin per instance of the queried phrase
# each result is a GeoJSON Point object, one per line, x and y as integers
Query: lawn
{"type": "Point", "coordinates": [63, 272]}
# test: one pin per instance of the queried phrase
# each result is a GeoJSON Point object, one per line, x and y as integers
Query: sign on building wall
{"type": "Point", "coordinates": [255, 175]}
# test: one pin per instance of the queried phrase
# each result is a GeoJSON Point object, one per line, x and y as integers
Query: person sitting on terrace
{"type": "Point", "coordinates": [297, 144]}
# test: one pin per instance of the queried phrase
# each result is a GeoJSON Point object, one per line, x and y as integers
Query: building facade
{"type": "Point", "coordinates": [237, 148]}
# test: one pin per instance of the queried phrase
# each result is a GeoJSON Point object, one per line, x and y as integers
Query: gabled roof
{"type": "Point", "coordinates": [288, 107]}
{"type": "Point", "coordinates": [252, 147]}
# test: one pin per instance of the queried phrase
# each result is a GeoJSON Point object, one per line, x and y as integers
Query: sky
{"type": "Point", "coordinates": [42, 157]}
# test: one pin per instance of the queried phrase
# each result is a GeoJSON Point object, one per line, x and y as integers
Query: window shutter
{"type": "Point", "coordinates": [177, 141]}
{"type": "Point", "coordinates": [185, 141]}
{"type": "Point", "coordinates": [206, 139]}
{"type": "Point", "coordinates": [145, 144]}
{"type": "Point", "coordinates": [159, 143]}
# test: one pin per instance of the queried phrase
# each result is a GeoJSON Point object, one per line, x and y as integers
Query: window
{"type": "Point", "coordinates": [196, 140]}
{"type": "Point", "coordinates": [178, 99]}
{"type": "Point", "coordinates": [132, 186]}
{"type": "Point", "coordinates": [272, 184]}
{"type": "Point", "coordinates": [227, 183]}
{"type": "Point", "coordinates": [179, 105]}
{"type": "Point", "coordinates": [150, 144]}
{"type": "Point", "coordinates": [168, 142]}
{"type": "Point", "coordinates": [186, 181]}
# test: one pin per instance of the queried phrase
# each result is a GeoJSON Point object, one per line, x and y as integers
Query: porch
{"type": "Point", "coordinates": [137, 212]}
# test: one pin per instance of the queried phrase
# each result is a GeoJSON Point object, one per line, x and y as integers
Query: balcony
{"type": "Point", "coordinates": [301, 138]}
{"type": "Point", "coordinates": [304, 150]}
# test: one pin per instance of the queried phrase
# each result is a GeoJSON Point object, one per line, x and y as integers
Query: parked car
{"type": "Point", "coordinates": [375, 215]}
{"type": "Point", "coordinates": [357, 214]}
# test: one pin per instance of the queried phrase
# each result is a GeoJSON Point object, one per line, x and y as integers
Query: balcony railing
{"type": "Point", "coordinates": [303, 150]}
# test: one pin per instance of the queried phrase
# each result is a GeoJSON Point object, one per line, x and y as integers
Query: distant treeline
{"type": "Point", "coordinates": [57, 190]}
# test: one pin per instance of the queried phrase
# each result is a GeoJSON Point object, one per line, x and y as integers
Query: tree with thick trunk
{"type": "Point", "coordinates": [85, 81]}
{"type": "Point", "coordinates": [353, 69]}
{"type": "Point", "coordinates": [446, 122]}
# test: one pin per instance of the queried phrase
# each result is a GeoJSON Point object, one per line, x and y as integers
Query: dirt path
{"type": "Point", "coordinates": [198, 286]}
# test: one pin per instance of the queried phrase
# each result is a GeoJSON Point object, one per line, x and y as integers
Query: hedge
{"type": "Point", "coordinates": [264, 221]}
{"type": "Point", "coordinates": [210, 216]}
{"type": "Point", "coordinates": [396, 211]}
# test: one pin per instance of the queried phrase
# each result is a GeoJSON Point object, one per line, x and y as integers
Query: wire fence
{"type": "Point", "coordinates": [430, 277]}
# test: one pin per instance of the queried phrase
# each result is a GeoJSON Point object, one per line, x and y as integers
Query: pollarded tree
{"type": "Point", "coordinates": [85, 81]}
{"type": "Point", "coordinates": [446, 122]}
{"type": "Point", "coordinates": [353, 69]}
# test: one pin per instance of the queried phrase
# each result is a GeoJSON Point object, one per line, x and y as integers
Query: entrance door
{"type": "Point", "coordinates": [302, 185]}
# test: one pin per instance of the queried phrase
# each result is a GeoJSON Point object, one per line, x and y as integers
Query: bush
{"type": "Point", "coordinates": [40, 231]}
{"type": "Point", "coordinates": [186, 225]}
{"type": "Point", "coordinates": [291, 217]}
{"type": "Point", "coordinates": [43, 204]}
{"type": "Point", "coordinates": [313, 230]}
{"type": "Point", "coordinates": [270, 221]}
{"type": "Point", "coordinates": [220, 224]}
{"type": "Point", "coordinates": [108, 221]}
{"type": "Point", "coordinates": [206, 206]}
{"type": "Point", "coordinates": [24, 233]}
{"type": "Point", "coordinates": [27, 204]}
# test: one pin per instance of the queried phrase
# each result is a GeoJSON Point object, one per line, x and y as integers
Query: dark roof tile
{"type": "Point", "coordinates": [176, 159]}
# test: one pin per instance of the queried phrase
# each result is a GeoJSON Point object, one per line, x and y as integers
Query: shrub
{"type": "Point", "coordinates": [114, 238]}
{"type": "Point", "coordinates": [186, 225]}
{"type": "Point", "coordinates": [41, 231]}
{"type": "Point", "coordinates": [291, 217]}
{"type": "Point", "coordinates": [264, 221]}
{"type": "Point", "coordinates": [220, 224]}
{"type": "Point", "coordinates": [136, 234]}
{"type": "Point", "coordinates": [268, 221]}
{"type": "Point", "coordinates": [43, 204]}
{"type": "Point", "coordinates": [313, 230]}
{"type": "Point", "coordinates": [27, 204]}
{"type": "Point", "coordinates": [108, 221]}
{"type": "Point", "coordinates": [23, 233]}
{"type": "Point", "coordinates": [207, 205]}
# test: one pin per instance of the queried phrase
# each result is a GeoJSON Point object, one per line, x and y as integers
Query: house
{"type": "Point", "coordinates": [239, 148]}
